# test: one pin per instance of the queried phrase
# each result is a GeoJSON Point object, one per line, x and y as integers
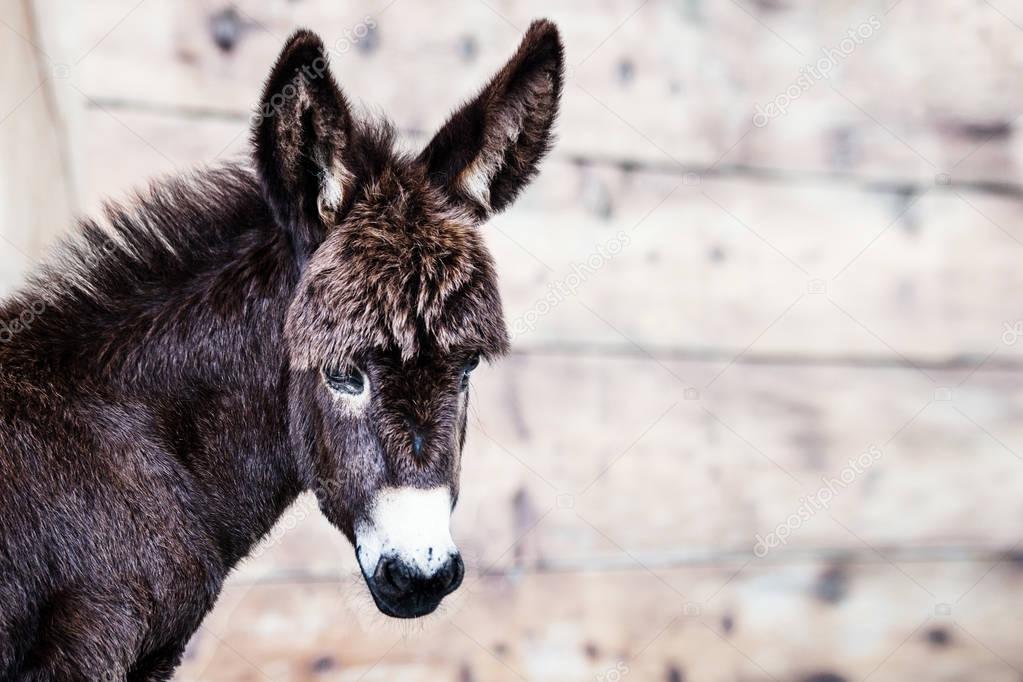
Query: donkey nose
{"type": "Point", "coordinates": [404, 591]}
{"type": "Point", "coordinates": [393, 577]}
{"type": "Point", "coordinates": [451, 574]}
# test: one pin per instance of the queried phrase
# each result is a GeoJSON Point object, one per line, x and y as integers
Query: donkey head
{"type": "Point", "coordinates": [397, 301]}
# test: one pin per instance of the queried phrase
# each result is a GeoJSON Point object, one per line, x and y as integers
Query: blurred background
{"type": "Point", "coordinates": [763, 419]}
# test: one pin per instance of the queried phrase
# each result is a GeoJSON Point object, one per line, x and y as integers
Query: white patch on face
{"type": "Point", "coordinates": [411, 523]}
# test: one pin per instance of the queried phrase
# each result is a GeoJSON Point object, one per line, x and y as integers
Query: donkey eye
{"type": "Point", "coordinates": [473, 363]}
{"type": "Point", "coordinates": [347, 380]}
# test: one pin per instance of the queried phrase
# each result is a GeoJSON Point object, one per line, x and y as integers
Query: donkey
{"type": "Point", "coordinates": [228, 340]}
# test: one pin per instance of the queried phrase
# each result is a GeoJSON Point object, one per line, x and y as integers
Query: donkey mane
{"type": "Point", "coordinates": [174, 226]}
{"type": "Point", "coordinates": [144, 269]}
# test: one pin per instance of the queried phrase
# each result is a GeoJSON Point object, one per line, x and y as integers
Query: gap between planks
{"type": "Point", "coordinates": [968, 362]}
{"type": "Point", "coordinates": [762, 173]}
{"type": "Point", "coordinates": [640, 562]}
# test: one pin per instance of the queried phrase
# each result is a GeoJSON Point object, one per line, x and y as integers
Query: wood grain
{"type": "Point", "coordinates": [708, 266]}
{"type": "Point", "coordinates": [933, 90]}
{"type": "Point", "coordinates": [698, 623]}
{"type": "Point", "coordinates": [35, 200]}
{"type": "Point", "coordinates": [841, 281]}
{"type": "Point", "coordinates": [641, 467]}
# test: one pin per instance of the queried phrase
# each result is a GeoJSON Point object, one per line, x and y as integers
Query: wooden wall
{"type": "Point", "coordinates": [840, 283]}
{"type": "Point", "coordinates": [35, 192]}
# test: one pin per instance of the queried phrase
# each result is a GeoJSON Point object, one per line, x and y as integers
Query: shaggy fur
{"type": "Point", "coordinates": [415, 271]}
{"type": "Point", "coordinates": [163, 390]}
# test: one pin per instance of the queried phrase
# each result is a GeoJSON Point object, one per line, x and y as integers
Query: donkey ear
{"type": "Point", "coordinates": [490, 148]}
{"type": "Point", "coordinates": [301, 138]}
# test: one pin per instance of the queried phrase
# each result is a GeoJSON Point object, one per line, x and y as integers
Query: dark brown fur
{"type": "Point", "coordinates": [162, 381]}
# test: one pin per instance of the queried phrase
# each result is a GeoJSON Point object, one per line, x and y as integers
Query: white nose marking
{"type": "Point", "coordinates": [413, 524]}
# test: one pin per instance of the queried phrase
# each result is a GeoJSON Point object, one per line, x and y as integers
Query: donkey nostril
{"type": "Point", "coordinates": [397, 575]}
{"type": "Point", "coordinates": [453, 573]}
{"type": "Point", "coordinates": [393, 576]}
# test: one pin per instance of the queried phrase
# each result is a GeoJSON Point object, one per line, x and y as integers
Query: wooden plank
{"type": "Point", "coordinates": [713, 266]}
{"type": "Point", "coordinates": [715, 623]}
{"type": "Point", "coordinates": [121, 152]}
{"type": "Point", "coordinates": [671, 476]}
{"type": "Point", "coordinates": [950, 109]}
{"type": "Point", "coordinates": [35, 203]}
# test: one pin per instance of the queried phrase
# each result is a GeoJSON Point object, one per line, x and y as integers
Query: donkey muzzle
{"type": "Point", "coordinates": [406, 553]}
{"type": "Point", "coordinates": [402, 590]}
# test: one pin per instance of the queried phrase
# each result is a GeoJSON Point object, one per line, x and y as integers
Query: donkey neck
{"type": "Point", "coordinates": [171, 324]}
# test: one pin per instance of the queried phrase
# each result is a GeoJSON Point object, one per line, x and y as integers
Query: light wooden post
{"type": "Point", "coordinates": [35, 203]}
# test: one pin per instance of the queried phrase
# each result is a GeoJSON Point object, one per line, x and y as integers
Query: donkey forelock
{"type": "Point", "coordinates": [407, 270]}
